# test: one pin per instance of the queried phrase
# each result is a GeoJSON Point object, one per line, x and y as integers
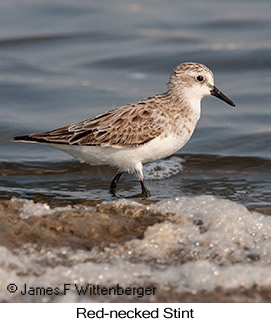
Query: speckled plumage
{"type": "Point", "coordinates": [140, 132]}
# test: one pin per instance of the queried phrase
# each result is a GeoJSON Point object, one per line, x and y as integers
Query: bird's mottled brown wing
{"type": "Point", "coordinates": [128, 126]}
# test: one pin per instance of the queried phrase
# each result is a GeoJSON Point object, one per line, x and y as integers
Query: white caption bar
{"type": "Point", "coordinates": [134, 312]}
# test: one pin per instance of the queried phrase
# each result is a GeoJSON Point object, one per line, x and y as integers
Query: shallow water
{"type": "Point", "coordinates": [62, 62]}
{"type": "Point", "coordinates": [242, 179]}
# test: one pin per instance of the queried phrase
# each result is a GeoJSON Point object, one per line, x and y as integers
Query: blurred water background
{"type": "Point", "coordinates": [65, 61]}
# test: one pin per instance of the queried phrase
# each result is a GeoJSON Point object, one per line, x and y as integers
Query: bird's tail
{"type": "Point", "coordinates": [24, 138]}
{"type": "Point", "coordinates": [21, 138]}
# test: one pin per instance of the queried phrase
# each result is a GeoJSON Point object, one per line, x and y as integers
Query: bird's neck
{"type": "Point", "coordinates": [185, 103]}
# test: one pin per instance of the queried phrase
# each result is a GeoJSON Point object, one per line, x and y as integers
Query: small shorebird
{"type": "Point", "coordinates": [140, 132]}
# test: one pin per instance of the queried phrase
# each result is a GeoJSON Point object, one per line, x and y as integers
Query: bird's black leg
{"type": "Point", "coordinates": [139, 173]}
{"type": "Point", "coordinates": [145, 191]}
{"type": "Point", "coordinates": [114, 183]}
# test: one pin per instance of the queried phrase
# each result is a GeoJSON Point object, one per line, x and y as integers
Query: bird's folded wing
{"type": "Point", "coordinates": [128, 126]}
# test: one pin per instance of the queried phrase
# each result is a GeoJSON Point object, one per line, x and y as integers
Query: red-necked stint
{"type": "Point", "coordinates": [140, 132]}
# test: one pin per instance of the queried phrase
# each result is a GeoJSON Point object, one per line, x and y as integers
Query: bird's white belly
{"type": "Point", "coordinates": [126, 158]}
{"type": "Point", "coordinates": [160, 147]}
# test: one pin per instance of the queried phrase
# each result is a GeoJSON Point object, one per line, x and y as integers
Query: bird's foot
{"type": "Point", "coordinates": [112, 191]}
{"type": "Point", "coordinates": [145, 192]}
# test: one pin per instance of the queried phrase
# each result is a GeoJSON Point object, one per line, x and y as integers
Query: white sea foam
{"type": "Point", "coordinates": [205, 243]}
{"type": "Point", "coordinates": [31, 208]}
{"type": "Point", "coordinates": [163, 168]}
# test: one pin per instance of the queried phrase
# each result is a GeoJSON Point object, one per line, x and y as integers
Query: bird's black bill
{"type": "Point", "coordinates": [215, 92]}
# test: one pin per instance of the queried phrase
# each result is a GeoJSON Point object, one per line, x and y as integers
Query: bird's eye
{"type": "Point", "coordinates": [200, 78]}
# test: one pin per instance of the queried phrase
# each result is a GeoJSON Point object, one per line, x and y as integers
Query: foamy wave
{"type": "Point", "coordinates": [163, 168]}
{"type": "Point", "coordinates": [206, 227]}
{"type": "Point", "coordinates": [30, 208]}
